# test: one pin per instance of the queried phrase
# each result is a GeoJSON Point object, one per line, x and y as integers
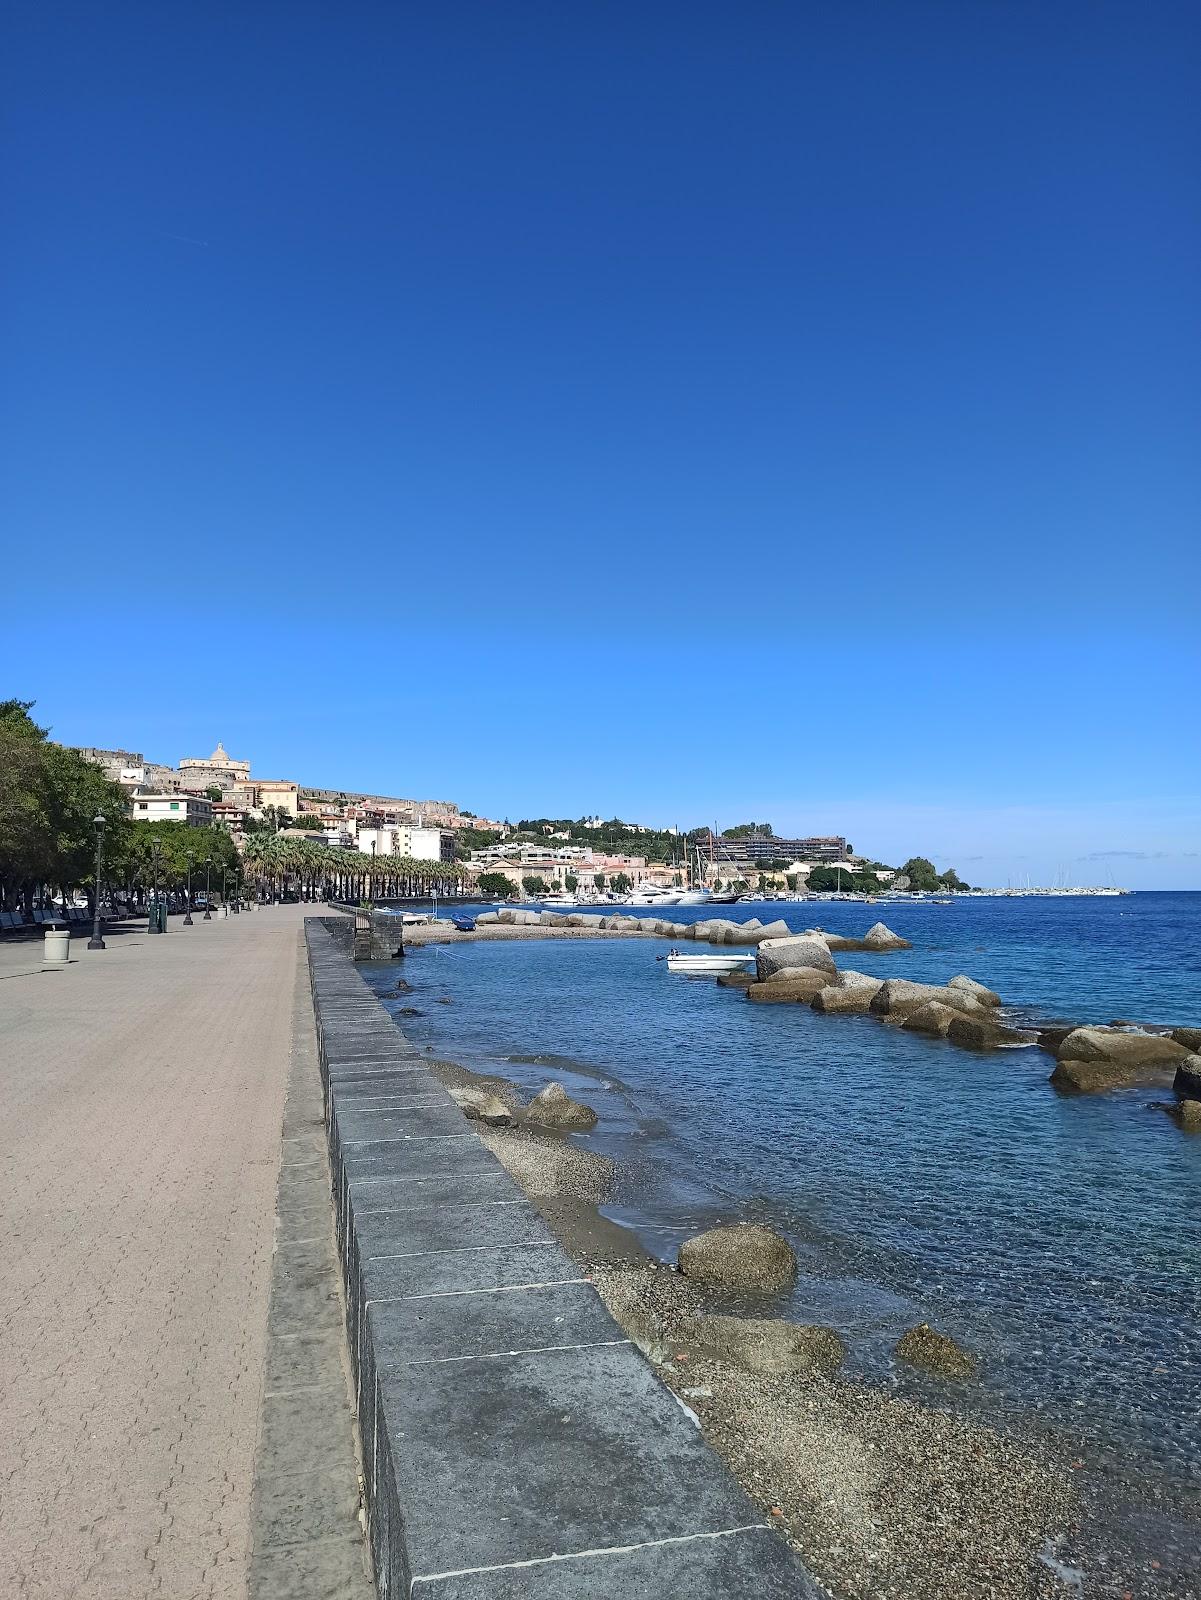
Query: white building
{"type": "Point", "coordinates": [399, 839]}
{"type": "Point", "coordinates": [191, 809]}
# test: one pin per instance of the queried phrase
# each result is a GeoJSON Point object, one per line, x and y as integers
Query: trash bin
{"type": "Point", "coordinates": [56, 944]}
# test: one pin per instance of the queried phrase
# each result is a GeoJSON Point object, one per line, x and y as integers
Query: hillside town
{"type": "Point", "coordinates": [589, 857]}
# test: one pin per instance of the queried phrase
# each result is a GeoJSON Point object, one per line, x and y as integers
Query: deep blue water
{"type": "Point", "coordinates": [1058, 1237]}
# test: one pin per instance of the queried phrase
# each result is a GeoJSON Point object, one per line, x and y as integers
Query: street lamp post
{"type": "Point", "coordinates": [153, 926]}
{"type": "Point", "coordinates": [237, 902]}
{"type": "Point", "coordinates": [96, 942]}
{"type": "Point", "coordinates": [187, 910]}
{"type": "Point", "coordinates": [208, 889]}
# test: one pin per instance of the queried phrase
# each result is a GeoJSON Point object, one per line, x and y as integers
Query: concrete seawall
{"type": "Point", "coordinates": [515, 1442]}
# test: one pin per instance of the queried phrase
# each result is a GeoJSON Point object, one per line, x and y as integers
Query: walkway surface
{"type": "Point", "coordinates": [141, 1104]}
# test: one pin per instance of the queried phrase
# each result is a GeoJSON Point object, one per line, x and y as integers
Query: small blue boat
{"type": "Point", "coordinates": [464, 924]}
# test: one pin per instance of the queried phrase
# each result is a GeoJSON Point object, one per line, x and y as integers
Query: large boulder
{"type": "Point", "coordinates": [553, 1107]}
{"type": "Point", "coordinates": [931, 1018]}
{"type": "Point", "coordinates": [981, 1033]}
{"type": "Point", "coordinates": [1188, 1078]}
{"type": "Point", "coordinates": [935, 1352]}
{"type": "Point", "coordinates": [774, 930]}
{"type": "Point", "coordinates": [1190, 1038]}
{"type": "Point", "coordinates": [506, 914]}
{"type": "Point", "coordinates": [795, 985]}
{"type": "Point", "coordinates": [835, 997]}
{"type": "Point", "coordinates": [744, 1256]}
{"type": "Point", "coordinates": [987, 997]}
{"type": "Point", "coordinates": [1188, 1114]}
{"type": "Point", "coordinates": [762, 1344]}
{"type": "Point", "coordinates": [850, 979]}
{"type": "Point", "coordinates": [797, 951]}
{"type": "Point", "coordinates": [1091, 1060]}
{"type": "Point", "coordinates": [877, 938]}
{"type": "Point", "coordinates": [1050, 1039]}
{"type": "Point", "coordinates": [486, 917]}
{"type": "Point", "coordinates": [482, 1106]}
{"type": "Point", "coordinates": [897, 997]}
{"type": "Point", "coordinates": [1135, 1052]}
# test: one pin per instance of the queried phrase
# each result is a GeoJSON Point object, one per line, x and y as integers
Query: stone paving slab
{"type": "Point", "coordinates": [579, 1449]}
{"type": "Point", "coordinates": [751, 1565]}
{"type": "Point", "coordinates": [514, 1441]}
{"type": "Point", "coordinates": [141, 1102]}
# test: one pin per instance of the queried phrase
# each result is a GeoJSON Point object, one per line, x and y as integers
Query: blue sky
{"type": "Point", "coordinates": [681, 411]}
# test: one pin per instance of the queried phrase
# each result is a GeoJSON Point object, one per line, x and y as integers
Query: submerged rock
{"type": "Point", "coordinates": [980, 1033]}
{"type": "Point", "coordinates": [934, 1352]}
{"type": "Point", "coordinates": [796, 951]}
{"type": "Point", "coordinates": [553, 1107]}
{"type": "Point", "coordinates": [878, 937]}
{"type": "Point", "coordinates": [761, 1344]}
{"type": "Point", "coordinates": [743, 1256]}
{"type": "Point", "coordinates": [737, 980]}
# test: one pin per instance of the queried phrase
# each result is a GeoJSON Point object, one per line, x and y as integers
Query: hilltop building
{"type": "Point", "coordinates": [199, 772]}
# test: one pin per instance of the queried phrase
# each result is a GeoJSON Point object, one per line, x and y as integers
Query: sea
{"type": "Point", "coordinates": [1057, 1237]}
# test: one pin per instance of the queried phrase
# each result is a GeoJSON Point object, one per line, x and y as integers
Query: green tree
{"type": "Point", "coordinates": [214, 792]}
{"type": "Point", "coordinates": [571, 883]}
{"type": "Point", "coordinates": [495, 886]}
{"type": "Point", "coordinates": [598, 879]}
{"type": "Point", "coordinates": [921, 874]}
{"type": "Point", "coordinates": [619, 883]}
{"type": "Point", "coordinates": [49, 797]}
{"type": "Point", "coordinates": [534, 885]}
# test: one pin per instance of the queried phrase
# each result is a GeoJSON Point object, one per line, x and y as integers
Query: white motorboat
{"type": "Point", "coordinates": [710, 966]}
{"type": "Point", "coordinates": [649, 894]}
{"type": "Point", "coordinates": [695, 897]}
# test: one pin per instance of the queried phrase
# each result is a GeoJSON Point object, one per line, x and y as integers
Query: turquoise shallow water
{"type": "Point", "coordinates": [1058, 1237]}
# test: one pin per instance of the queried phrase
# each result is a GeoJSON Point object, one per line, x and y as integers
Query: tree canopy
{"type": "Point", "coordinates": [49, 797]}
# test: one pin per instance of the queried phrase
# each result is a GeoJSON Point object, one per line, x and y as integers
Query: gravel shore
{"type": "Point", "coordinates": [885, 1498]}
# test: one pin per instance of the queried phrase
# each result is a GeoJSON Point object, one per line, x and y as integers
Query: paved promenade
{"type": "Point", "coordinates": [141, 1102]}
